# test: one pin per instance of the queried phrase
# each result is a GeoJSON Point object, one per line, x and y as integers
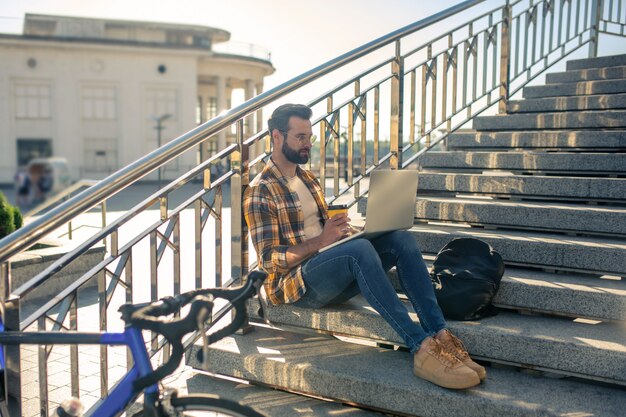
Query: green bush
{"type": "Point", "coordinates": [10, 217]}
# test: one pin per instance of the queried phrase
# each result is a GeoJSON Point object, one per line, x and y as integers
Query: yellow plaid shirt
{"type": "Point", "coordinates": [274, 216]}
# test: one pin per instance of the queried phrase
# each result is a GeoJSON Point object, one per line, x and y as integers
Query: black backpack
{"type": "Point", "coordinates": [466, 275]}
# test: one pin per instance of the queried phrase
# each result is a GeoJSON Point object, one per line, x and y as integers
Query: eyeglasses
{"type": "Point", "coordinates": [302, 138]}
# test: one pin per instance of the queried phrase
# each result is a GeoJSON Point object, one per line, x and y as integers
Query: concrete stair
{"type": "Point", "coordinates": [593, 74]}
{"type": "Point", "coordinates": [566, 140]}
{"type": "Point", "coordinates": [567, 163]}
{"type": "Point", "coordinates": [382, 379]}
{"type": "Point", "coordinates": [545, 186]}
{"type": "Point", "coordinates": [575, 218]}
{"type": "Point", "coordinates": [524, 187]}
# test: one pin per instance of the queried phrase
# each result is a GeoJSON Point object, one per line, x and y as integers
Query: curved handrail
{"type": "Point", "coordinates": [28, 235]}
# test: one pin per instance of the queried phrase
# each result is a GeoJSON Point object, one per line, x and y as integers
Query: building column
{"type": "Point", "coordinates": [221, 106]}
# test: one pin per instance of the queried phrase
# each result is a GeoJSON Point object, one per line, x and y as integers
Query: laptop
{"type": "Point", "coordinates": [390, 204]}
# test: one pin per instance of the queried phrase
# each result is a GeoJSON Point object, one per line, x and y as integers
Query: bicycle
{"type": "Point", "coordinates": [142, 378]}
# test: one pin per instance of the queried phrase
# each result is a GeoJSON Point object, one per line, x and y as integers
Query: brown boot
{"type": "Point", "coordinates": [453, 345]}
{"type": "Point", "coordinates": [433, 363]}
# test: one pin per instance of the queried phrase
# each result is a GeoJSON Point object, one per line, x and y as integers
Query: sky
{"type": "Point", "coordinates": [299, 34]}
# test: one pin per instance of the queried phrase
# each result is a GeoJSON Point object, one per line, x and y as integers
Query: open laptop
{"type": "Point", "coordinates": [390, 204]}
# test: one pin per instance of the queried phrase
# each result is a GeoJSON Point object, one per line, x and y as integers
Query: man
{"type": "Point", "coordinates": [288, 221]}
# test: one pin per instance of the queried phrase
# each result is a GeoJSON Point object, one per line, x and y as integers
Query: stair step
{"type": "Point", "coordinates": [572, 347]}
{"type": "Point", "coordinates": [540, 250]}
{"type": "Point", "coordinates": [526, 186]}
{"type": "Point", "coordinates": [528, 162]}
{"type": "Point", "coordinates": [382, 378]}
{"type": "Point", "coordinates": [271, 402]}
{"type": "Point", "coordinates": [597, 62]}
{"type": "Point", "coordinates": [563, 139]}
{"type": "Point", "coordinates": [569, 294]}
{"type": "Point", "coordinates": [592, 74]}
{"type": "Point", "coordinates": [562, 120]}
{"type": "Point", "coordinates": [576, 89]}
{"type": "Point", "coordinates": [552, 104]}
{"type": "Point", "coordinates": [525, 215]}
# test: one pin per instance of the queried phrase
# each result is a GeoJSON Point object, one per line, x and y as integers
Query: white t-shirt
{"type": "Point", "coordinates": [310, 211]}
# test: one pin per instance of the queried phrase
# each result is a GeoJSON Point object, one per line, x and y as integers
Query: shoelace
{"type": "Point", "coordinates": [455, 344]}
{"type": "Point", "coordinates": [443, 355]}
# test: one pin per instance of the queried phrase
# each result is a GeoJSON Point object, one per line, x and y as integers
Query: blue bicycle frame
{"type": "Point", "coordinates": [123, 393]}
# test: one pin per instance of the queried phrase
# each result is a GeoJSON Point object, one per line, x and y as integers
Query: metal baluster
{"type": "Point", "coordinates": [577, 26]}
{"type": "Point", "coordinates": [128, 280]}
{"type": "Point", "coordinates": [322, 145]}
{"type": "Point", "coordinates": [336, 152]}
{"type": "Point", "coordinates": [104, 358]}
{"type": "Point", "coordinates": [11, 321]}
{"type": "Point", "coordinates": [569, 18]}
{"type": "Point", "coordinates": [518, 24]}
{"type": "Point", "coordinates": [494, 61]}
{"type": "Point", "coordinates": [544, 15]}
{"type": "Point", "coordinates": [596, 14]}
{"type": "Point", "coordinates": [465, 70]}
{"type": "Point", "coordinates": [412, 115]}
{"type": "Point", "coordinates": [350, 138]}
{"type": "Point", "coordinates": [551, 31]}
{"type": "Point", "coordinates": [533, 57]}
{"type": "Point", "coordinates": [74, 368]}
{"type": "Point", "coordinates": [433, 98]}
{"type": "Point", "coordinates": [197, 216]}
{"type": "Point", "coordinates": [363, 115]}
{"type": "Point", "coordinates": [376, 124]}
{"type": "Point", "coordinates": [236, 266]}
{"type": "Point", "coordinates": [219, 238]}
{"type": "Point", "coordinates": [423, 106]}
{"type": "Point", "coordinates": [455, 65]}
{"type": "Point", "coordinates": [486, 40]}
{"type": "Point", "coordinates": [505, 61]}
{"type": "Point", "coordinates": [42, 353]}
{"type": "Point", "coordinates": [526, 27]}
{"type": "Point", "coordinates": [560, 28]}
{"type": "Point", "coordinates": [397, 93]}
{"type": "Point", "coordinates": [444, 85]}
{"type": "Point", "coordinates": [154, 277]}
{"type": "Point", "coordinates": [176, 254]}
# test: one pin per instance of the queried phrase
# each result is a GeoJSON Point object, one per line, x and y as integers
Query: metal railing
{"type": "Point", "coordinates": [419, 84]}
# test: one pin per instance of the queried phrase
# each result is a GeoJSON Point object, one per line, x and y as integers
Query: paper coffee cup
{"type": "Point", "coordinates": [337, 209]}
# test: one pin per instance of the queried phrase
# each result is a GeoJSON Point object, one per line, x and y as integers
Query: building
{"type": "Point", "coordinates": [95, 90]}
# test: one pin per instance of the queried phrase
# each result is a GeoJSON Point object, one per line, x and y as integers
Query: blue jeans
{"type": "Point", "coordinates": [360, 266]}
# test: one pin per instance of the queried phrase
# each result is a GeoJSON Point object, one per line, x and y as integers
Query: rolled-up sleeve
{"type": "Point", "coordinates": [262, 217]}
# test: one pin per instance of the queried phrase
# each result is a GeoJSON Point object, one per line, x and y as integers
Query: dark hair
{"type": "Point", "coordinates": [280, 116]}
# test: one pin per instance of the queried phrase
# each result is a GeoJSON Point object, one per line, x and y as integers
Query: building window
{"type": "Point", "coordinates": [99, 103]}
{"type": "Point", "coordinates": [101, 154]}
{"type": "Point", "coordinates": [33, 101]}
{"type": "Point", "coordinates": [28, 149]}
{"type": "Point", "coordinates": [211, 108]}
{"type": "Point", "coordinates": [161, 101]}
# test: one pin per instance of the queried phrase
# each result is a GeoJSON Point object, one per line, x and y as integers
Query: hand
{"type": "Point", "coordinates": [335, 228]}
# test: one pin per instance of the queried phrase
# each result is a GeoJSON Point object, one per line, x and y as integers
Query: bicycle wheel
{"type": "Point", "coordinates": [209, 406]}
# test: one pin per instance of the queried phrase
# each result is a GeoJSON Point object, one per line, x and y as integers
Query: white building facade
{"type": "Point", "coordinates": [91, 90]}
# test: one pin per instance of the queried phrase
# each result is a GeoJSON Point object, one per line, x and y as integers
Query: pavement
{"type": "Point", "coordinates": [58, 363]}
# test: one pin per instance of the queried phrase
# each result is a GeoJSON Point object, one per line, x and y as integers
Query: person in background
{"type": "Point", "coordinates": [287, 216]}
{"type": "Point", "coordinates": [22, 188]}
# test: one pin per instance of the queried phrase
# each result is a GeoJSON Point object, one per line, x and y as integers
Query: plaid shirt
{"type": "Point", "coordinates": [274, 216]}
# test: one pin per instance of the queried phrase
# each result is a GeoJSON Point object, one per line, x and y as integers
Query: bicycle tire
{"type": "Point", "coordinates": [206, 405]}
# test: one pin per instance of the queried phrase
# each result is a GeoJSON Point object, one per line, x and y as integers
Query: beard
{"type": "Point", "coordinates": [293, 156]}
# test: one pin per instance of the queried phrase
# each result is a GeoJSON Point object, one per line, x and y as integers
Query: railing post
{"type": "Point", "coordinates": [505, 58]}
{"type": "Point", "coordinates": [594, 30]}
{"type": "Point", "coordinates": [11, 319]}
{"type": "Point", "coordinates": [397, 95]}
